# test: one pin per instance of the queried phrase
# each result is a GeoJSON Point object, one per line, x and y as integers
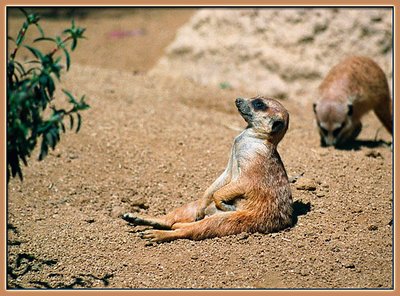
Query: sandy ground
{"type": "Point", "coordinates": [152, 143]}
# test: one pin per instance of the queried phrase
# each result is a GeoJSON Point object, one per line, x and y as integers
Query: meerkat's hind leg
{"type": "Point", "coordinates": [221, 224]}
{"type": "Point", "coordinates": [137, 219]}
{"type": "Point", "coordinates": [384, 113]}
{"type": "Point", "coordinates": [183, 214]}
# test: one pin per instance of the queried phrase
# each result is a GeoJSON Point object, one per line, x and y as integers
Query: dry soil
{"type": "Point", "coordinates": [151, 143]}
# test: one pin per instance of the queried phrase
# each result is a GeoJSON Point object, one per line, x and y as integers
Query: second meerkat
{"type": "Point", "coordinates": [252, 194]}
{"type": "Point", "coordinates": [351, 88]}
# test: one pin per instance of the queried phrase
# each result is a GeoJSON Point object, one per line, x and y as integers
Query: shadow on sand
{"type": "Point", "coordinates": [299, 209]}
{"type": "Point", "coordinates": [358, 144]}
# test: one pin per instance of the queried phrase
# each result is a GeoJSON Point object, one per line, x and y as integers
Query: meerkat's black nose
{"type": "Point", "coordinates": [238, 102]}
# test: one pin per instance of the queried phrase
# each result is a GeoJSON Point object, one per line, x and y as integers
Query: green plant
{"type": "Point", "coordinates": [225, 85]}
{"type": "Point", "coordinates": [32, 115]}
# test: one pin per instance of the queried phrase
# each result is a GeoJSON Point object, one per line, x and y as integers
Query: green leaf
{"type": "Point", "coordinates": [59, 41]}
{"type": "Point", "coordinates": [67, 58]}
{"type": "Point", "coordinates": [35, 52]}
{"type": "Point", "coordinates": [81, 31]}
{"type": "Point", "coordinates": [19, 71]}
{"type": "Point", "coordinates": [82, 104]}
{"type": "Point", "coordinates": [44, 149]}
{"type": "Point", "coordinates": [43, 79]}
{"type": "Point", "coordinates": [19, 67]}
{"type": "Point", "coordinates": [32, 70]}
{"type": "Point", "coordinates": [23, 160]}
{"type": "Point", "coordinates": [44, 39]}
{"type": "Point", "coordinates": [71, 121]}
{"type": "Point", "coordinates": [74, 43]}
{"type": "Point", "coordinates": [39, 29]}
{"type": "Point", "coordinates": [33, 18]}
{"type": "Point", "coordinates": [33, 62]}
{"type": "Point", "coordinates": [13, 162]}
{"type": "Point", "coordinates": [78, 127]}
{"type": "Point", "coordinates": [19, 172]}
{"type": "Point", "coordinates": [57, 134]}
{"type": "Point", "coordinates": [50, 86]}
{"type": "Point", "coordinates": [62, 127]}
{"type": "Point", "coordinates": [24, 12]}
{"type": "Point", "coordinates": [67, 31]}
{"type": "Point", "coordinates": [56, 137]}
{"type": "Point", "coordinates": [71, 98]}
{"type": "Point", "coordinates": [50, 139]}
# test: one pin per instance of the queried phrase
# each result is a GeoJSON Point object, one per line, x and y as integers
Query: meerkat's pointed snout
{"type": "Point", "coordinates": [243, 108]}
{"type": "Point", "coordinates": [329, 141]}
{"type": "Point", "coordinates": [239, 102]}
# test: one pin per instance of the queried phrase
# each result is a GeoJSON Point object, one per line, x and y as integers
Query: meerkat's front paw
{"type": "Point", "coordinates": [224, 206]}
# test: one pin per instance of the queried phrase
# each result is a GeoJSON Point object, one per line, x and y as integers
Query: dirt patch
{"type": "Point", "coordinates": [151, 143]}
{"type": "Point", "coordinates": [118, 38]}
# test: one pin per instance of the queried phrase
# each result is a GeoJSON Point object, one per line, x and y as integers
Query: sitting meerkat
{"type": "Point", "coordinates": [252, 194]}
{"type": "Point", "coordinates": [351, 89]}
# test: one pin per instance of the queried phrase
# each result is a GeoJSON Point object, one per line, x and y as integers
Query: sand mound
{"type": "Point", "coordinates": [275, 51]}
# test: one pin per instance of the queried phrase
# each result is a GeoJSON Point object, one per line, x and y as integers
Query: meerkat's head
{"type": "Point", "coordinates": [266, 117]}
{"type": "Point", "coordinates": [335, 123]}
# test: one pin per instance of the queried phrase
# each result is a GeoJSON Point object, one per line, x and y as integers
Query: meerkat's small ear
{"type": "Point", "coordinates": [314, 107]}
{"type": "Point", "coordinates": [350, 106]}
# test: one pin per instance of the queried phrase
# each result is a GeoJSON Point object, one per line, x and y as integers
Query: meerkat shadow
{"type": "Point", "coordinates": [359, 144]}
{"type": "Point", "coordinates": [299, 209]}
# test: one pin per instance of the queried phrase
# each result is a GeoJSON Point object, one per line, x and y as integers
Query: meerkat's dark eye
{"type": "Point", "coordinates": [258, 104]}
{"type": "Point", "coordinates": [278, 126]}
{"type": "Point", "coordinates": [350, 111]}
{"type": "Point", "coordinates": [324, 131]}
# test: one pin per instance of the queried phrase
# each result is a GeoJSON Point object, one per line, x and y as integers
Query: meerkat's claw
{"type": "Point", "coordinates": [141, 234]}
{"type": "Point", "coordinates": [147, 234]}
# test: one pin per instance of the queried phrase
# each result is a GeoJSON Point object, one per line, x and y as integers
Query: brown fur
{"type": "Point", "coordinates": [351, 89]}
{"type": "Point", "coordinates": [253, 193]}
